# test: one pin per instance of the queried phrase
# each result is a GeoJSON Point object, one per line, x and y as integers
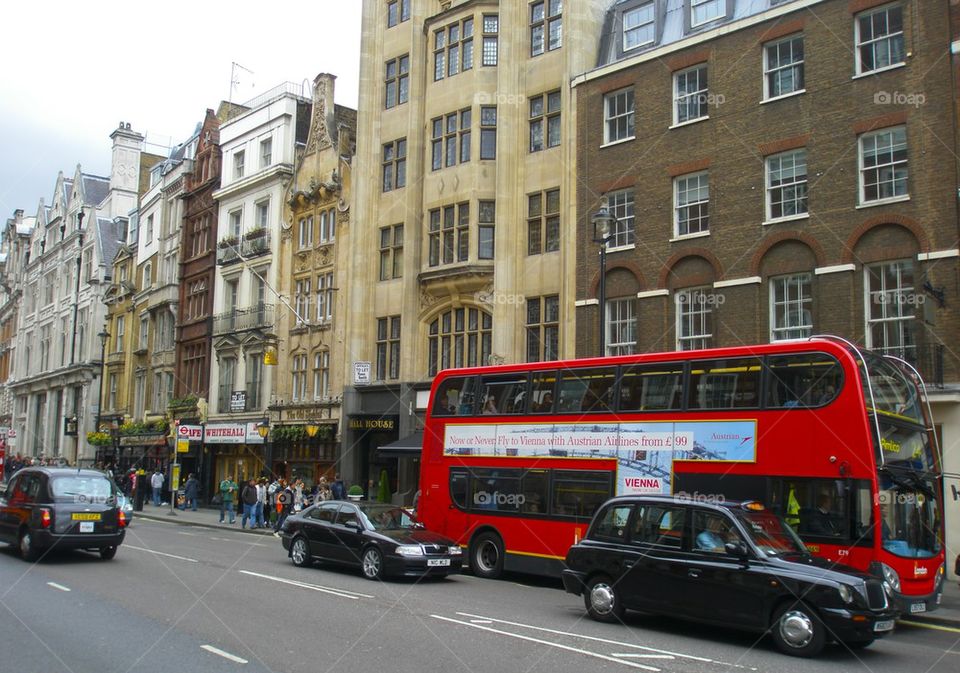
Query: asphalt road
{"type": "Point", "coordinates": [182, 599]}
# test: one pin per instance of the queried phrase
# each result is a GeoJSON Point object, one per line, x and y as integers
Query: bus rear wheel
{"type": "Point", "coordinates": [486, 556]}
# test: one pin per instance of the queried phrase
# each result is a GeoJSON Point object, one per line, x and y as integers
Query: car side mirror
{"type": "Point", "coordinates": [737, 550]}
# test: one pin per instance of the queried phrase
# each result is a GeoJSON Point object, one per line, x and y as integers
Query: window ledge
{"type": "Point", "coordinates": [621, 248]}
{"type": "Point", "coordinates": [699, 234]}
{"type": "Point", "coordinates": [791, 218]}
{"type": "Point", "coordinates": [774, 99]}
{"type": "Point", "coordinates": [896, 66]}
{"type": "Point", "coordinates": [617, 142]}
{"type": "Point", "coordinates": [883, 202]}
{"type": "Point", "coordinates": [689, 122]}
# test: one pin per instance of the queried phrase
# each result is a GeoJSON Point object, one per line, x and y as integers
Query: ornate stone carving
{"type": "Point", "coordinates": [319, 138]}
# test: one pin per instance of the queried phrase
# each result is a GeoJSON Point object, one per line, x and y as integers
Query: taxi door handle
{"type": "Point", "coordinates": [628, 564]}
{"type": "Point", "coordinates": [694, 573]}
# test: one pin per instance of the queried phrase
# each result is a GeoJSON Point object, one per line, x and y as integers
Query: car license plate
{"type": "Point", "coordinates": [438, 562]}
{"type": "Point", "coordinates": [918, 607]}
{"type": "Point", "coordinates": [885, 625]}
{"type": "Point", "coordinates": [85, 516]}
{"type": "Point", "coordinates": [86, 526]}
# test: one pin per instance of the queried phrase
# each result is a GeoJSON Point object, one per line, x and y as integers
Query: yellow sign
{"type": "Point", "coordinates": [175, 478]}
{"type": "Point", "coordinates": [270, 356]}
{"type": "Point", "coordinates": [183, 446]}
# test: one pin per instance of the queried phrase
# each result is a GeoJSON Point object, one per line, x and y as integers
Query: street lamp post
{"type": "Point", "coordinates": [104, 337]}
{"type": "Point", "coordinates": [602, 225]}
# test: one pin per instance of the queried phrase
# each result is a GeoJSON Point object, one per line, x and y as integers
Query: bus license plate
{"type": "Point", "coordinates": [86, 526]}
{"type": "Point", "coordinates": [918, 607]}
{"type": "Point", "coordinates": [431, 562]}
{"type": "Point", "coordinates": [885, 625]}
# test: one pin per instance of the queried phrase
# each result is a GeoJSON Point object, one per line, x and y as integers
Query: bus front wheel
{"type": "Point", "coordinates": [486, 556]}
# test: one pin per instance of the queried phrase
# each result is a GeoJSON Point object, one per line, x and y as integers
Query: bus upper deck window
{"type": "Point", "coordinates": [455, 397]}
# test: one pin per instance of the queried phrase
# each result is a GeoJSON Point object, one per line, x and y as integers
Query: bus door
{"type": "Point", "coordinates": [456, 522]}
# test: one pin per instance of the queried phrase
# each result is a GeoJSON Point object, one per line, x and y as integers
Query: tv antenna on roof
{"type": "Point", "coordinates": [235, 78]}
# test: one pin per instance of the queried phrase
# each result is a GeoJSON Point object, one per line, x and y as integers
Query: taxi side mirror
{"type": "Point", "coordinates": [738, 550]}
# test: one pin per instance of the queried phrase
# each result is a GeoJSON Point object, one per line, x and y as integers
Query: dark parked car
{"type": "Point", "coordinates": [60, 508]}
{"type": "Point", "coordinates": [380, 539]}
{"type": "Point", "coordinates": [732, 564]}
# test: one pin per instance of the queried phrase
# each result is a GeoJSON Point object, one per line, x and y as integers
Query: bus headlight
{"type": "Point", "coordinates": [890, 576]}
{"type": "Point", "coordinates": [410, 550]}
{"type": "Point", "coordinates": [845, 593]}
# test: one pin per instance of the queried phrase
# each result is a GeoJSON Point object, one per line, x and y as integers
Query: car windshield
{"type": "Point", "coordinates": [771, 533]}
{"type": "Point", "coordinates": [81, 488]}
{"type": "Point", "coordinates": [388, 517]}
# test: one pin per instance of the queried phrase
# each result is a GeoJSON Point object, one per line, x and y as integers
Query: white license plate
{"type": "Point", "coordinates": [885, 625]}
{"type": "Point", "coordinates": [86, 526]}
{"type": "Point", "coordinates": [438, 562]}
{"type": "Point", "coordinates": [918, 607]}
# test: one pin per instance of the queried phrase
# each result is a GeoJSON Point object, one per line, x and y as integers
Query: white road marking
{"type": "Point", "coordinates": [592, 638]}
{"type": "Point", "coordinates": [631, 655]}
{"type": "Point", "coordinates": [225, 655]}
{"type": "Point", "coordinates": [183, 532]}
{"type": "Point", "coordinates": [343, 593]}
{"type": "Point", "coordinates": [57, 586]}
{"type": "Point", "coordinates": [160, 553]}
{"type": "Point", "coordinates": [539, 641]}
{"type": "Point", "coordinates": [480, 621]}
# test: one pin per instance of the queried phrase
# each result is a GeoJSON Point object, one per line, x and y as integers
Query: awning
{"type": "Point", "coordinates": [405, 446]}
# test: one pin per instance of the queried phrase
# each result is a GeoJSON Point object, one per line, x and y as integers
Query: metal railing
{"type": "Point", "coordinates": [255, 317]}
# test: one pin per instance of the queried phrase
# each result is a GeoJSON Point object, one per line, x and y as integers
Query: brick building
{"type": "Point", "coordinates": [776, 170]}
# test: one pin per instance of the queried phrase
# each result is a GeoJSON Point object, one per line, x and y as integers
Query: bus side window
{"type": "Point", "coordinates": [455, 397]}
{"type": "Point", "coordinates": [725, 384]}
{"type": "Point", "coordinates": [541, 392]}
{"type": "Point", "coordinates": [587, 390]}
{"type": "Point", "coordinates": [802, 380]}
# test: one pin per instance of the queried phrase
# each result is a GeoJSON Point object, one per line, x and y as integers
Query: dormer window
{"type": "Point", "coordinates": [639, 26]}
{"type": "Point", "coordinates": [705, 11]}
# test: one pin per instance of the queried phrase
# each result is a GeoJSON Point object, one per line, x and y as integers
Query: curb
{"type": "Point", "coordinates": [936, 621]}
{"type": "Point", "coordinates": [214, 526]}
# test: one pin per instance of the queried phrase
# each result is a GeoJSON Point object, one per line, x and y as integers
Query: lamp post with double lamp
{"type": "Point", "coordinates": [603, 221]}
{"type": "Point", "coordinates": [104, 337]}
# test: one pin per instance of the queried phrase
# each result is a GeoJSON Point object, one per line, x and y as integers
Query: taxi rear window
{"type": "Point", "coordinates": [81, 488]}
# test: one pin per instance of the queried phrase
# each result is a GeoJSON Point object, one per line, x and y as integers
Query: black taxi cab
{"type": "Point", "coordinates": [46, 508]}
{"type": "Point", "coordinates": [732, 564]}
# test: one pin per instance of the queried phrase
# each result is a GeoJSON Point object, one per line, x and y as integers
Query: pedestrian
{"type": "Point", "coordinates": [338, 490]}
{"type": "Point", "coordinates": [261, 502]}
{"type": "Point", "coordinates": [249, 499]}
{"type": "Point", "coordinates": [156, 483]}
{"type": "Point", "coordinates": [190, 491]}
{"type": "Point", "coordinates": [284, 507]}
{"type": "Point", "coordinates": [228, 491]}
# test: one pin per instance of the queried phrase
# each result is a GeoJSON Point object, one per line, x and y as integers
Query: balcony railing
{"type": "Point", "coordinates": [255, 244]}
{"type": "Point", "coordinates": [256, 317]}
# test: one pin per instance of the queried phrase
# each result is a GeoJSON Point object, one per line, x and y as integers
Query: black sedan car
{"type": "Point", "coordinates": [46, 508]}
{"type": "Point", "coordinates": [733, 564]}
{"type": "Point", "coordinates": [380, 539]}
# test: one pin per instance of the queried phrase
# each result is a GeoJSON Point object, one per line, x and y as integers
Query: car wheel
{"type": "Point", "coordinates": [107, 553]}
{"type": "Point", "coordinates": [486, 556]}
{"type": "Point", "coordinates": [300, 552]}
{"type": "Point", "coordinates": [372, 563]}
{"type": "Point", "coordinates": [602, 600]}
{"type": "Point", "coordinates": [28, 549]}
{"type": "Point", "coordinates": [797, 630]}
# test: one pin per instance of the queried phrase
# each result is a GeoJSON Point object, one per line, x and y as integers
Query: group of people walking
{"type": "Point", "coordinates": [258, 498]}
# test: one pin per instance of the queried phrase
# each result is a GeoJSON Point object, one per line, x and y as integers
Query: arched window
{"type": "Point", "coordinates": [460, 337]}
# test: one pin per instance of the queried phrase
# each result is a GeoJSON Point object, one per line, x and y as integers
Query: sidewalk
{"type": "Point", "coordinates": [948, 614]}
{"type": "Point", "coordinates": [206, 517]}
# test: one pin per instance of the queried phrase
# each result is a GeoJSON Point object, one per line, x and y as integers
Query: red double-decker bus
{"type": "Point", "coordinates": [516, 458]}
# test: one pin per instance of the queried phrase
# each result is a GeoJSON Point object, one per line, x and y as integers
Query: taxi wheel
{"type": "Point", "coordinates": [300, 552]}
{"type": "Point", "coordinates": [107, 553]}
{"type": "Point", "coordinates": [372, 563]}
{"type": "Point", "coordinates": [797, 630]}
{"type": "Point", "coordinates": [602, 600]}
{"type": "Point", "coordinates": [28, 549]}
{"type": "Point", "coordinates": [486, 556]}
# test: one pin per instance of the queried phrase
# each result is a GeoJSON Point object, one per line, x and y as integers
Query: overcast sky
{"type": "Point", "coordinates": [71, 71]}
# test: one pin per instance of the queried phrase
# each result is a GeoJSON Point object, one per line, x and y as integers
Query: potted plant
{"type": "Point", "coordinates": [383, 493]}
{"type": "Point", "coordinates": [256, 232]}
{"type": "Point", "coordinates": [227, 241]}
{"type": "Point", "coordinates": [355, 493]}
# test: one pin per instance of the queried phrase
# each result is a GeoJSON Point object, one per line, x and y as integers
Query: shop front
{"type": "Point", "coordinates": [235, 450]}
